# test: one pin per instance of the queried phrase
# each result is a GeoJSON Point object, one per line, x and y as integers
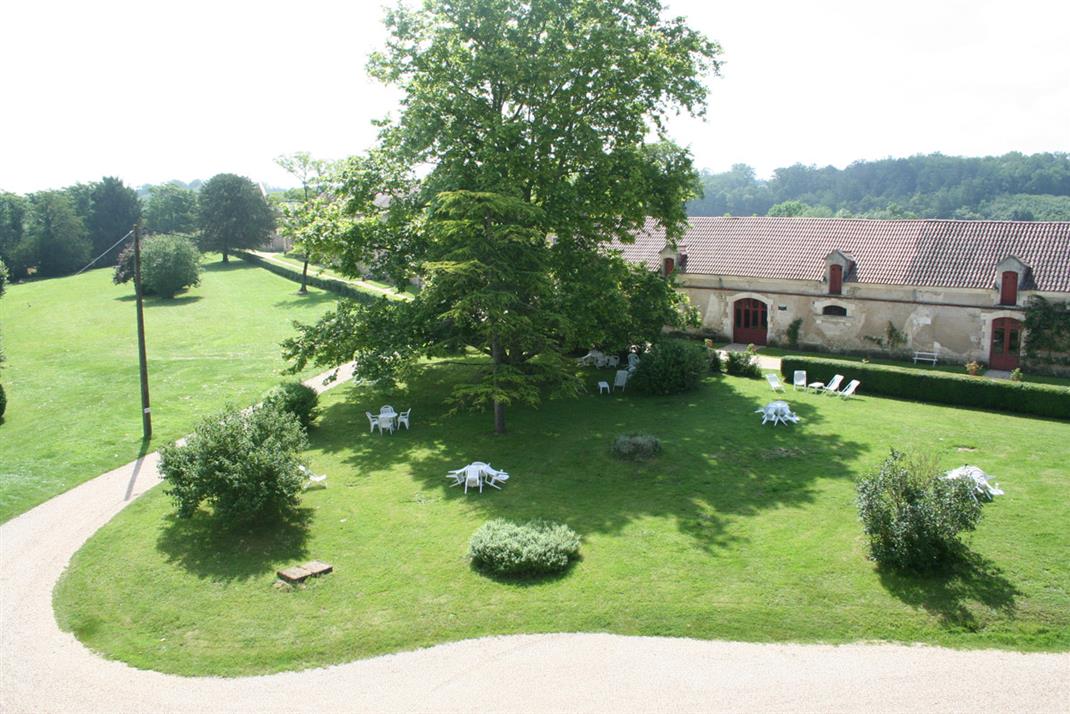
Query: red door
{"type": "Point", "coordinates": [1006, 341]}
{"type": "Point", "coordinates": [751, 322]}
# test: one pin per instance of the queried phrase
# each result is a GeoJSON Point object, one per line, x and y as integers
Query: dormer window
{"type": "Point", "coordinates": [668, 266]}
{"type": "Point", "coordinates": [1011, 275]}
{"type": "Point", "coordinates": [1008, 288]}
{"type": "Point", "coordinates": [835, 279]}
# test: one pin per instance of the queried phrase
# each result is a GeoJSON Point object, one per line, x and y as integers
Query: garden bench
{"type": "Point", "coordinates": [925, 357]}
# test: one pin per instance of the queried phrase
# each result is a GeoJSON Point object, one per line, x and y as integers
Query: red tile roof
{"type": "Point", "coordinates": [931, 253]}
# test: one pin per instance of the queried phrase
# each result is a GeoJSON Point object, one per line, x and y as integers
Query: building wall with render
{"type": "Point", "coordinates": [956, 323]}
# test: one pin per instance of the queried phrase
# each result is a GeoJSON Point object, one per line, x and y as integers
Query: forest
{"type": "Point", "coordinates": [1014, 186]}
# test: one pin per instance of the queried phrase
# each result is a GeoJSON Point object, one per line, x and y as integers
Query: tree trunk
{"type": "Point", "coordinates": [499, 408]}
{"type": "Point", "coordinates": [304, 278]}
{"type": "Point", "coordinates": [226, 258]}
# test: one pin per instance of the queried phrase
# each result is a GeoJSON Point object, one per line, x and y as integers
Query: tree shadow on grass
{"type": "Point", "coordinates": [151, 301]}
{"type": "Point", "coordinates": [218, 266]}
{"type": "Point", "coordinates": [215, 550]}
{"type": "Point", "coordinates": [718, 463]}
{"type": "Point", "coordinates": [970, 578]}
{"type": "Point", "coordinates": [312, 297]}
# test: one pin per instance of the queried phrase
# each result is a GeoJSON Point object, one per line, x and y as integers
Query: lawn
{"type": "Point", "coordinates": [71, 373]}
{"type": "Point", "coordinates": [735, 531]}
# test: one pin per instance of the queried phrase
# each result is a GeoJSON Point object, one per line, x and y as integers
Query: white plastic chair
{"type": "Point", "coordinates": [387, 409]}
{"type": "Point", "coordinates": [612, 361]}
{"type": "Point", "coordinates": [768, 413]}
{"type": "Point", "coordinates": [373, 422]}
{"type": "Point", "coordinates": [403, 418]}
{"type": "Point", "coordinates": [385, 421]}
{"type": "Point", "coordinates": [849, 389]}
{"type": "Point", "coordinates": [603, 387]}
{"type": "Point", "coordinates": [493, 476]}
{"type": "Point", "coordinates": [621, 379]}
{"type": "Point", "coordinates": [799, 380]}
{"type": "Point", "coordinates": [313, 480]}
{"type": "Point", "coordinates": [473, 476]}
{"type": "Point", "coordinates": [774, 382]}
{"type": "Point", "coordinates": [834, 384]}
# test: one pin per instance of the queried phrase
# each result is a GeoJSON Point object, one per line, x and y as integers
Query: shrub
{"type": "Point", "coordinates": [634, 447]}
{"type": "Point", "coordinates": [243, 464]}
{"type": "Point", "coordinates": [3, 401]}
{"type": "Point", "coordinates": [169, 263]}
{"type": "Point", "coordinates": [1016, 375]}
{"type": "Point", "coordinates": [974, 368]}
{"type": "Point", "coordinates": [793, 332]}
{"type": "Point", "coordinates": [913, 515]}
{"type": "Point", "coordinates": [671, 366]}
{"type": "Point", "coordinates": [743, 364]}
{"type": "Point", "coordinates": [537, 547]}
{"type": "Point", "coordinates": [1046, 400]}
{"type": "Point", "coordinates": [297, 399]}
{"type": "Point", "coordinates": [3, 278]}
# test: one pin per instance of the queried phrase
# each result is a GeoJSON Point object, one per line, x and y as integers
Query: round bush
{"type": "Point", "coordinates": [243, 464]}
{"type": "Point", "coordinates": [913, 514]}
{"type": "Point", "coordinates": [635, 447]}
{"type": "Point", "coordinates": [670, 367]}
{"type": "Point", "coordinates": [537, 547]}
{"type": "Point", "coordinates": [3, 401]}
{"type": "Point", "coordinates": [169, 263]}
{"type": "Point", "coordinates": [297, 399]}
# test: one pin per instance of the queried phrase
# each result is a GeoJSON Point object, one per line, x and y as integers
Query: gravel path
{"type": "Point", "coordinates": [43, 669]}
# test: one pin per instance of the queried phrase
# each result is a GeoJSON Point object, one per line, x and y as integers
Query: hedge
{"type": "Point", "coordinates": [329, 284]}
{"type": "Point", "coordinates": [1043, 400]}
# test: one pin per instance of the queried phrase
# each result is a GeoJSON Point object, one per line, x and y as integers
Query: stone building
{"type": "Point", "coordinates": [955, 288]}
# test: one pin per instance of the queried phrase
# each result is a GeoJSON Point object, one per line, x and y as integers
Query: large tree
{"type": "Point", "coordinates": [171, 209]}
{"type": "Point", "coordinates": [114, 210]}
{"type": "Point", "coordinates": [15, 251]}
{"type": "Point", "coordinates": [533, 117]}
{"type": "Point", "coordinates": [298, 221]}
{"type": "Point", "coordinates": [233, 214]}
{"type": "Point", "coordinates": [57, 234]}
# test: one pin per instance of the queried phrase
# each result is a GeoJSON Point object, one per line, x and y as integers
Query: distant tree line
{"type": "Point", "coordinates": [1014, 186]}
{"type": "Point", "coordinates": [53, 233]}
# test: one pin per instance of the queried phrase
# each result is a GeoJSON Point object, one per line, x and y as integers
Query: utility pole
{"type": "Point", "coordinates": [146, 412]}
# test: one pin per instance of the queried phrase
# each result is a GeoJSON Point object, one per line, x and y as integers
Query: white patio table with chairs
{"type": "Point", "coordinates": [778, 412]}
{"type": "Point", "coordinates": [388, 419]}
{"type": "Point", "coordinates": [476, 474]}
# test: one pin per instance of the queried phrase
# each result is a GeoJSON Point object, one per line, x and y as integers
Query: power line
{"type": "Point", "coordinates": [87, 267]}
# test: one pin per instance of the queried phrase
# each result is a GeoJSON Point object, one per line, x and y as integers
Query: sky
{"type": "Point", "coordinates": [151, 92]}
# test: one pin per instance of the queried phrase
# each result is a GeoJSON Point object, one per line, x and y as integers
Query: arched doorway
{"type": "Point", "coordinates": [1006, 343]}
{"type": "Point", "coordinates": [751, 322]}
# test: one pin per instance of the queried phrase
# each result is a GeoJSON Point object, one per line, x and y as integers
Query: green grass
{"type": "Point", "coordinates": [71, 374]}
{"type": "Point", "coordinates": [735, 531]}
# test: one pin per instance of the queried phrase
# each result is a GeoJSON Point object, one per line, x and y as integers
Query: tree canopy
{"type": "Point", "coordinates": [56, 235]}
{"type": "Point", "coordinates": [1014, 186]}
{"type": "Point", "coordinates": [534, 119]}
{"type": "Point", "coordinates": [233, 214]}
{"type": "Point", "coordinates": [114, 209]}
{"type": "Point", "coordinates": [171, 209]}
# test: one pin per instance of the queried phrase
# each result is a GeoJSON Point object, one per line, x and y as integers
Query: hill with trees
{"type": "Point", "coordinates": [1014, 186]}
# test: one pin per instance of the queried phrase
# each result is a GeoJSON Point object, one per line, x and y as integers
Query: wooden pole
{"type": "Point", "coordinates": [146, 412]}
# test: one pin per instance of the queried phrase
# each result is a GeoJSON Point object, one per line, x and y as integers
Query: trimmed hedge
{"type": "Point", "coordinates": [1045, 400]}
{"type": "Point", "coordinates": [329, 284]}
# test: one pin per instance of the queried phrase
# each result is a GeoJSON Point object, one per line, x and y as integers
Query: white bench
{"type": "Point", "coordinates": [925, 357]}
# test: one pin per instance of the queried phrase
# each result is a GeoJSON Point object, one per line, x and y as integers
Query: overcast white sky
{"type": "Point", "coordinates": [152, 91]}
